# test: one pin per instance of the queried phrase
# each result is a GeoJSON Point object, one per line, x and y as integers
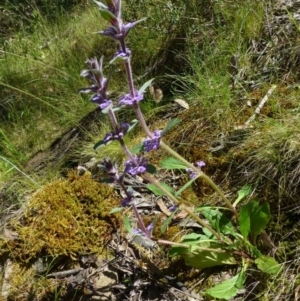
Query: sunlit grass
{"type": "Point", "coordinates": [39, 78]}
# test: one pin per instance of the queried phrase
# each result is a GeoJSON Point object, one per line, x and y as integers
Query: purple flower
{"type": "Point", "coordinates": [112, 32]}
{"type": "Point", "coordinates": [117, 33]}
{"type": "Point", "coordinates": [153, 142]}
{"type": "Point", "coordinates": [103, 102]}
{"type": "Point", "coordinates": [191, 172]}
{"type": "Point", "coordinates": [140, 232]}
{"type": "Point", "coordinates": [110, 169]}
{"type": "Point", "coordinates": [100, 83]}
{"type": "Point", "coordinates": [129, 198]}
{"type": "Point", "coordinates": [122, 55]}
{"type": "Point", "coordinates": [138, 166]}
{"type": "Point", "coordinates": [173, 208]}
{"type": "Point", "coordinates": [128, 100]}
{"type": "Point", "coordinates": [119, 134]}
{"type": "Point", "coordinates": [200, 164]}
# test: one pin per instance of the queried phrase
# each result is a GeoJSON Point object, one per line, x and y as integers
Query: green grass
{"type": "Point", "coordinates": [188, 48]}
{"type": "Point", "coordinates": [39, 79]}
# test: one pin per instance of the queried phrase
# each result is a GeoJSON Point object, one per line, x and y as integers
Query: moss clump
{"type": "Point", "coordinates": [66, 217]}
{"type": "Point", "coordinates": [24, 284]}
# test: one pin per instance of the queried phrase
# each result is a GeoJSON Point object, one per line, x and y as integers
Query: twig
{"type": "Point", "coordinates": [65, 273]}
{"type": "Point", "coordinates": [260, 105]}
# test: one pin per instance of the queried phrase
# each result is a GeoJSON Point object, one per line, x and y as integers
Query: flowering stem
{"type": "Point", "coordinates": [141, 119]}
{"type": "Point", "coordinates": [205, 177]}
{"type": "Point", "coordinates": [113, 120]}
{"type": "Point", "coordinates": [127, 151]}
{"type": "Point", "coordinates": [140, 221]}
{"type": "Point", "coordinates": [165, 242]}
{"type": "Point", "coordinates": [136, 107]}
{"type": "Point", "coordinates": [128, 70]}
{"type": "Point", "coordinates": [154, 181]}
{"type": "Point", "coordinates": [114, 123]}
{"type": "Point", "coordinates": [209, 181]}
{"type": "Point", "coordinates": [143, 124]}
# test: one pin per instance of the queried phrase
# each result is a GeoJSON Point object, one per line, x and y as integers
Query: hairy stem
{"type": "Point", "coordinates": [154, 181]}
{"type": "Point", "coordinates": [205, 177]}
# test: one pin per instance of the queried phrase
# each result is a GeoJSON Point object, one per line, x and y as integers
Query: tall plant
{"type": "Point", "coordinates": [224, 240]}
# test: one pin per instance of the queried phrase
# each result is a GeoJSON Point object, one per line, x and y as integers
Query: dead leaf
{"type": "Point", "coordinates": [162, 206]}
{"type": "Point", "coordinates": [183, 214]}
{"type": "Point", "coordinates": [182, 103]}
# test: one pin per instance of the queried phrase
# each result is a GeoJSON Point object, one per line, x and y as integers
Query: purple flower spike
{"type": "Point", "coordinates": [100, 83]}
{"type": "Point", "coordinates": [152, 143]}
{"type": "Point", "coordinates": [128, 100]}
{"type": "Point", "coordinates": [118, 33]}
{"type": "Point", "coordinates": [110, 169]}
{"type": "Point", "coordinates": [119, 134]}
{"type": "Point", "coordinates": [134, 168]}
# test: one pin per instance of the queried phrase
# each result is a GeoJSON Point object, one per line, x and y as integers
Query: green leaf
{"type": "Point", "coordinates": [172, 163]}
{"type": "Point", "coordinates": [108, 16]}
{"type": "Point", "coordinates": [245, 221]}
{"type": "Point", "coordinates": [218, 220]}
{"type": "Point", "coordinates": [186, 185]}
{"type": "Point", "coordinates": [207, 254]}
{"type": "Point", "coordinates": [101, 5]}
{"type": "Point", "coordinates": [207, 233]}
{"type": "Point", "coordinates": [253, 251]}
{"type": "Point", "coordinates": [170, 125]}
{"type": "Point", "coordinates": [146, 84]}
{"type": "Point", "coordinates": [166, 223]}
{"type": "Point", "coordinates": [254, 218]}
{"type": "Point", "coordinates": [127, 224]}
{"type": "Point", "coordinates": [189, 239]}
{"type": "Point", "coordinates": [116, 209]}
{"type": "Point", "coordinates": [177, 250]}
{"type": "Point", "coordinates": [157, 191]}
{"type": "Point", "coordinates": [132, 124]}
{"type": "Point", "coordinates": [118, 59]}
{"type": "Point", "coordinates": [228, 288]}
{"type": "Point", "coordinates": [151, 169]}
{"type": "Point", "coordinates": [100, 144]}
{"type": "Point", "coordinates": [260, 220]}
{"type": "Point", "coordinates": [193, 236]}
{"type": "Point", "coordinates": [241, 279]}
{"type": "Point", "coordinates": [116, 109]}
{"type": "Point", "coordinates": [242, 193]}
{"type": "Point", "coordinates": [268, 265]}
{"type": "Point", "coordinates": [137, 148]}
